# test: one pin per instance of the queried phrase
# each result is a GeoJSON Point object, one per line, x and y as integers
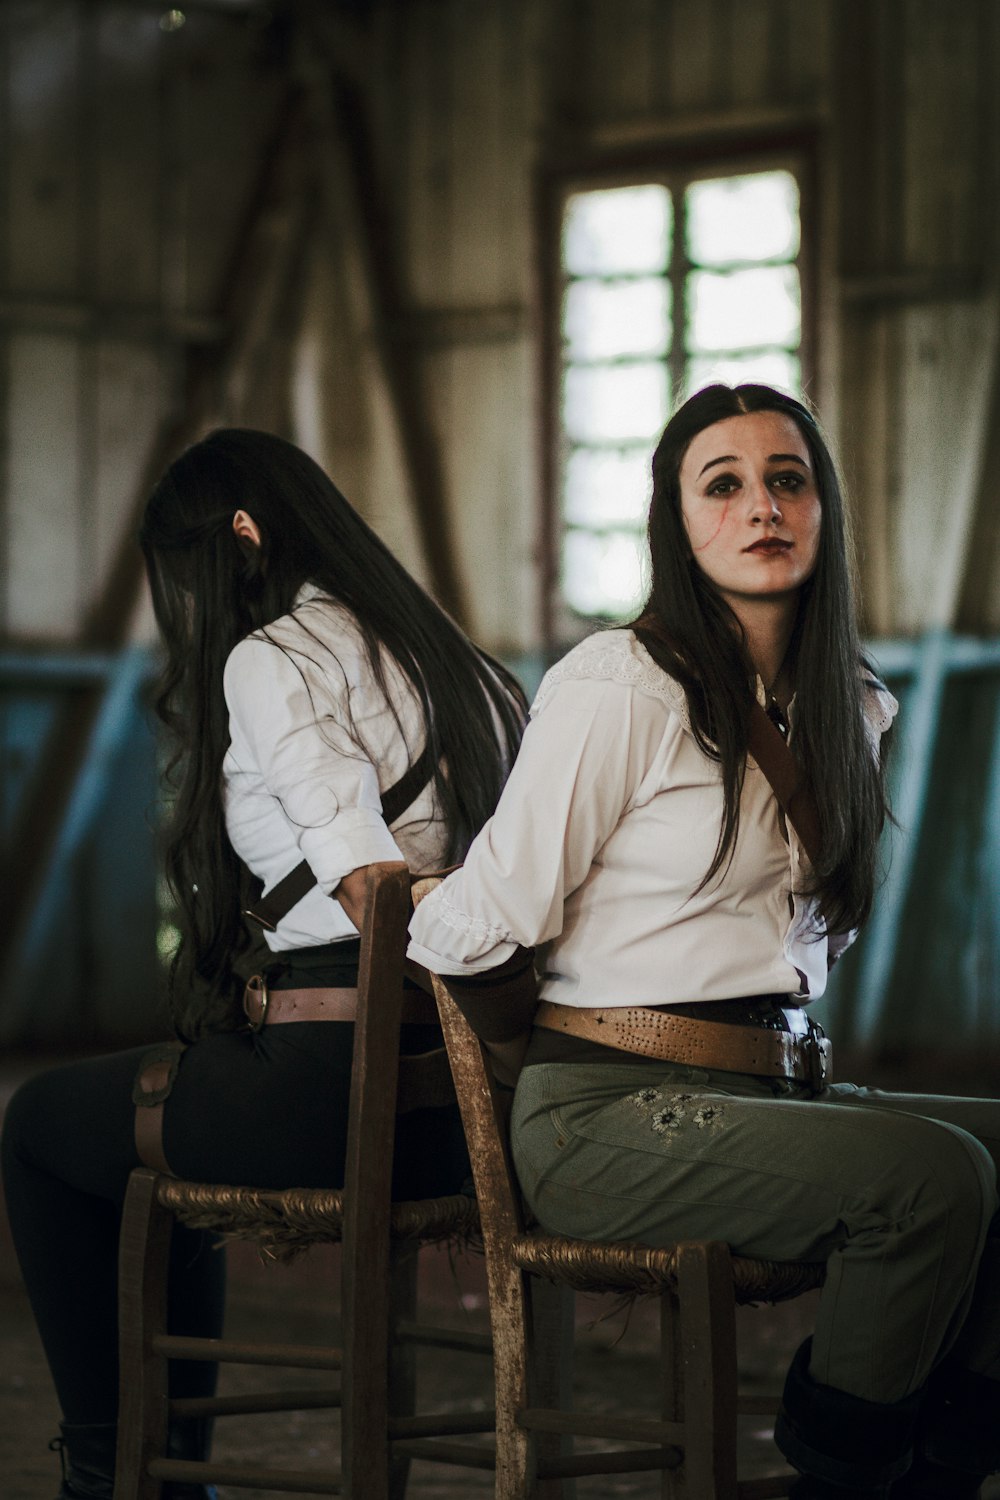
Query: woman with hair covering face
{"type": "Point", "coordinates": [310, 686]}
{"type": "Point", "coordinates": [675, 1086]}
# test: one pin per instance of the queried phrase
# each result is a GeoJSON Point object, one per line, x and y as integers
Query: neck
{"type": "Point", "coordinates": [768, 626]}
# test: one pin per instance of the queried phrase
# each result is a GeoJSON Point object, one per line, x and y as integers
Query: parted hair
{"type": "Point", "coordinates": [690, 630]}
{"type": "Point", "coordinates": [209, 591]}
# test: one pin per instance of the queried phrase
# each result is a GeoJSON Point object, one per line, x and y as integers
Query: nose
{"type": "Point", "coordinates": [764, 505]}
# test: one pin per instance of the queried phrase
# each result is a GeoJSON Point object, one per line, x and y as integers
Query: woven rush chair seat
{"type": "Point", "coordinates": [632, 1268]}
{"type": "Point", "coordinates": [380, 1429]}
{"type": "Point", "coordinates": [691, 1436]}
{"type": "Point", "coordinates": [283, 1223]}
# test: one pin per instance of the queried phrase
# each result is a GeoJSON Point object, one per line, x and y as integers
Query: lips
{"type": "Point", "coordinates": [769, 544]}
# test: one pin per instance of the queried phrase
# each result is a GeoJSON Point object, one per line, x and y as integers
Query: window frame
{"type": "Point", "coordinates": [672, 165]}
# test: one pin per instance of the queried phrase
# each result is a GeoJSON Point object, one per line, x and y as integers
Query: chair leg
{"type": "Point", "coordinates": [510, 1325]}
{"type": "Point", "coordinates": [671, 1386]}
{"type": "Point", "coordinates": [550, 1373]}
{"type": "Point", "coordinates": [143, 1263]}
{"type": "Point", "coordinates": [708, 1350]}
{"type": "Point", "coordinates": [402, 1389]}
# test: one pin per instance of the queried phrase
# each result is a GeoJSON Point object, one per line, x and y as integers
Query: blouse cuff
{"type": "Point", "coordinates": [357, 837]}
{"type": "Point", "coordinates": [472, 944]}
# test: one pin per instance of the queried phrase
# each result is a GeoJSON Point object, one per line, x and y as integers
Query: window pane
{"type": "Point", "coordinates": [743, 309]}
{"type": "Point", "coordinates": [602, 575]}
{"type": "Point", "coordinates": [754, 217]}
{"type": "Point", "coordinates": [775, 367]}
{"type": "Point", "coordinates": [602, 319]}
{"type": "Point", "coordinates": [617, 230]}
{"type": "Point", "coordinates": [603, 486]}
{"type": "Point", "coordinates": [614, 403]}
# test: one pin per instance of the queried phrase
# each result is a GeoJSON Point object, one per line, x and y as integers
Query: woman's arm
{"type": "Point", "coordinates": [310, 765]}
{"type": "Point", "coordinates": [582, 760]}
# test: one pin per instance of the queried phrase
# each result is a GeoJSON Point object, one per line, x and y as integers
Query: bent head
{"type": "Point", "coordinates": [204, 559]}
{"type": "Point", "coordinates": [746, 502]}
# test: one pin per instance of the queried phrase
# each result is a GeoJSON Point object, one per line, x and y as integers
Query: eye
{"type": "Point", "coordinates": [792, 480]}
{"type": "Point", "coordinates": [723, 485]}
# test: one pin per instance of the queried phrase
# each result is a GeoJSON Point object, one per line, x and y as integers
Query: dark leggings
{"type": "Point", "coordinates": [267, 1110]}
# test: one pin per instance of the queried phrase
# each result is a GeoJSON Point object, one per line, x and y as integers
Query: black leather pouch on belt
{"type": "Point", "coordinates": [500, 1003]}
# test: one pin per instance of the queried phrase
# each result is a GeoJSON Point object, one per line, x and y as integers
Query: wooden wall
{"type": "Point", "coordinates": [132, 159]}
{"type": "Point", "coordinates": [130, 154]}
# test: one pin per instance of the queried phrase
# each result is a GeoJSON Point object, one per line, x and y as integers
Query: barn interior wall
{"type": "Point", "coordinates": [138, 164]}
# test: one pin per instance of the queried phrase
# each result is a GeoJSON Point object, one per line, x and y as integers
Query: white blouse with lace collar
{"type": "Point", "coordinates": [604, 831]}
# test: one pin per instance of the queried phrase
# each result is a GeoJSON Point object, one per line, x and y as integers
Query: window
{"type": "Point", "coordinates": [666, 285]}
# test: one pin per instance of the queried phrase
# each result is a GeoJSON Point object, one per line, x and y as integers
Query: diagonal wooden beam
{"type": "Point", "coordinates": [356, 206]}
{"type": "Point", "coordinates": [56, 815]}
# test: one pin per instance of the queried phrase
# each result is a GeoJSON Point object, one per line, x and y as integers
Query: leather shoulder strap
{"type": "Point", "coordinates": [786, 779]}
{"type": "Point", "coordinates": [269, 910]}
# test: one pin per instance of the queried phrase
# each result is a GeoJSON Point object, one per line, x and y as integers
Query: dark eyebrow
{"type": "Point", "coordinates": [772, 458]}
{"type": "Point", "coordinates": [727, 458]}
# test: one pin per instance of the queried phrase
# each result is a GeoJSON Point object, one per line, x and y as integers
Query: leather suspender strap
{"type": "Point", "coordinates": [153, 1082]}
{"type": "Point", "coordinates": [269, 910]}
{"type": "Point", "coordinates": [787, 782]}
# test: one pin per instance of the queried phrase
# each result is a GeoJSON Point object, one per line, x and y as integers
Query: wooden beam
{"type": "Point", "coordinates": [356, 212]}
{"type": "Point", "coordinates": [70, 777]}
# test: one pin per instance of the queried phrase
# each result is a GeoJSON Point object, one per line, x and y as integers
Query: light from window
{"type": "Point", "coordinates": [666, 286]}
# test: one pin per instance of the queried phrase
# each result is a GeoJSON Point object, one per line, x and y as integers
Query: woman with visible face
{"type": "Point", "coordinates": [638, 1124]}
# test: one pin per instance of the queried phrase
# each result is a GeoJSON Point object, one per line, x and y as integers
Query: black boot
{"type": "Point", "coordinates": [845, 1448]}
{"type": "Point", "coordinates": [87, 1454]}
{"type": "Point", "coordinates": [959, 1439]}
{"type": "Point", "coordinates": [88, 1460]}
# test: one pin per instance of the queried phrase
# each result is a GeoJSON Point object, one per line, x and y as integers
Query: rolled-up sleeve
{"type": "Point", "coordinates": [307, 760]}
{"type": "Point", "coordinates": [581, 760]}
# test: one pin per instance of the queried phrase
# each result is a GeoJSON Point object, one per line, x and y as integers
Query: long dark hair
{"type": "Point", "coordinates": [692, 633]}
{"type": "Point", "coordinates": [210, 591]}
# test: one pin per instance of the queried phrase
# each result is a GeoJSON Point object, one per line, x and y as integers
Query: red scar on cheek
{"type": "Point", "coordinates": [715, 533]}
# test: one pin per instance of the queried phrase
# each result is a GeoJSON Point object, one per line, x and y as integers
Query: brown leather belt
{"type": "Point", "coordinates": [702, 1044]}
{"type": "Point", "coordinates": [266, 1006]}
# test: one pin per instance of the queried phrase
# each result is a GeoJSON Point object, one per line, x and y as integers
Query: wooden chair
{"type": "Point", "coordinates": [380, 1242]}
{"type": "Point", "coordinates": [693, 1440]}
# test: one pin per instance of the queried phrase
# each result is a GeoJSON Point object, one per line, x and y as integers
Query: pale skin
{"type": "Point", "coordinates": [350, 892]}
{"type": "Point", "coordinates": [752, 512]}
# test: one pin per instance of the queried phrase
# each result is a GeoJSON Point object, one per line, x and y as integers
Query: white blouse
{"type": "Point", "coordinates": [313, 742]}
{"type": "Point", "coordinates": [604, 831]}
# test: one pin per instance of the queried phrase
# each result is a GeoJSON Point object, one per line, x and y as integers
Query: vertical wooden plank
{"type": "Point", "coordinates": [868, 415]}
{"type": "Point", "coordinates": [45, 189]}
{"type": "Point", "coordinates": [940, 112]}
{"type": "Point", "coordinates": [748, 32]}
{"type": "Point", "coordinates": [129, 396]}
{"type": "Point", "coordinates": [810, 53]}
{"type": "Point", "coordinates": [43, 437]}
{"type": "Point", "coordinates": [692, 55]}
{"type": "Point", "coordinates": [708, 1333]}
{"type": "Point", "coordinates": [948, 356]}
{"type": "Point", "coordinates": [429, 85]}
{"type": "Point", "coordinates": [128, 127]}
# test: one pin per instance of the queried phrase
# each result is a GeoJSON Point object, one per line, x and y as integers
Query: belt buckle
{"type": "Point", "coordinates": [255, 1001]}
{"type": "Point", "coordinates": [816, 1056]}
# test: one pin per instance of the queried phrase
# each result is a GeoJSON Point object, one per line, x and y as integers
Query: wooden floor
{"type": "Point", "coordinates": [615, 1371]}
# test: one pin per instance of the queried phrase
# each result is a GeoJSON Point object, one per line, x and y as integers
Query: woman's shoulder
{"type": "Point", "coordinates": [614, 656]}
{"type": "Point", "coordinates": [305, 640]}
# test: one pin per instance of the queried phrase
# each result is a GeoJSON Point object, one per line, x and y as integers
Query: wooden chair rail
{"type": "Point", "coordinates": [380, 1240]}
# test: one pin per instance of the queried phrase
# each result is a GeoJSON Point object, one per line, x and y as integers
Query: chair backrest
{"type": "Point", "coordinates": [485, 1107]}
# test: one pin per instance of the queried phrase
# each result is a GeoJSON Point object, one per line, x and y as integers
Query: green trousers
{"type": "Point", "coordinates": [895, 1192]}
